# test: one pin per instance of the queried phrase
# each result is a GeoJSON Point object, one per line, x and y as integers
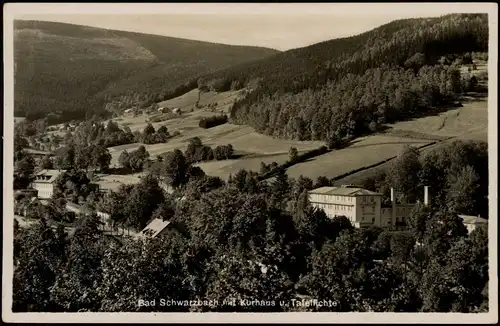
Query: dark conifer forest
{"type": "Point", "coordinates": [66, 72]}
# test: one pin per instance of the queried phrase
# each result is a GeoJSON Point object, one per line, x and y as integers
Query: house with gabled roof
{"type": "Point", "coordinates": [155, 228]}
{"type": "Point", "coordinates": [44, 182]}
{"type": "Point", "coordinates": [473, 222]}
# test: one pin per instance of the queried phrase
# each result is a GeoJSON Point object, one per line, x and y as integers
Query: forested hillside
{"type": "Point", "coordinates": [347, 86]}
{"type": "Point", "coordinates": [65, 71]}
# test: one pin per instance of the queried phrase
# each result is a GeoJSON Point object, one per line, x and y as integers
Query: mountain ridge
{"type": "Point", "coordinates": [67, 71]}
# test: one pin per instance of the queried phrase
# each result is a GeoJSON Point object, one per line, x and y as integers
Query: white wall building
{"type": "Point", "coordinates": [44, 182]}
{"type": "Point", "coordinates": [362, 207]}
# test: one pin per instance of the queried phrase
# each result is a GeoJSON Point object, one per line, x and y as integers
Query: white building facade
{"type": "Point", "coordinates": [362, 207]}
{"type": "Point", "coordinates": [44, 183]}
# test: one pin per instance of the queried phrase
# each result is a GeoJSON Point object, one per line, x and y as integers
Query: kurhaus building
{"type": "Point", "coordinates": [362, 207]}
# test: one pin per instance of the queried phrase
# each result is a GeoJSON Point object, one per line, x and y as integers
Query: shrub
{"type": "Point", "coordinates": [213, 121]}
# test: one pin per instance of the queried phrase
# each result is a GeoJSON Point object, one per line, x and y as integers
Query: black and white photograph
{"type": "Point", "coordinates": [274, 161]}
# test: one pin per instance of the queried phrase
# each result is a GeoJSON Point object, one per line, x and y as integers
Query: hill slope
{"type": "Point", "coordinates": [340, 87]}
{"type": "Point", "coordinates": [67, 70]}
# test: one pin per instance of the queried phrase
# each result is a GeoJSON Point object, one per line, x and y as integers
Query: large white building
{"type": "Point", "coordinates": [361, 206]}
{"type": "Point", "coordinates": [44, 182]}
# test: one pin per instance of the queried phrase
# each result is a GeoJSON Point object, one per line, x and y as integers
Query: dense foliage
{"type": "Point", "coordinates": [135, 160]}
{"type": "Point", "coordinates": [352, 85]}
{"type": "Point", "coordinates": [213, 121]}
{"type": "Point", "coordinates": [84, 157]}
{"type": "Point", "coordinates": [197, 152]}
{"type": "Point", "coordinates": [355, 105]}
{"type": "Point", "coordinates": [241, 245]}
{"type": "Point", "coordinates": [65, 72]}
{"type": "Point", "coordinates": [456, 174]}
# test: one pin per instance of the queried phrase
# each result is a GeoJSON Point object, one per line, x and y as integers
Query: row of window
{"type": "Point", "coordinates": [400, 209]}
{"type": "Point", "coordinates": [368, 199]}
{"type": "Point", "coordinates": [368, 209]}
{"type": "Point", "coordinates": [335, 207]}
{"type": "Point", "coordinates": [329, 197]}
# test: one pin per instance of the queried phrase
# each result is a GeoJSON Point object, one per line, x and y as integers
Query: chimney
{"type": "Point", "coordinates": [426, 195]}
{"type": "Point", "coordinates": [393, 210]}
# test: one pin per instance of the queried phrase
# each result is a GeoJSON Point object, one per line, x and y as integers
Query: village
{"type": "Point", "coordinates": [362, 207]}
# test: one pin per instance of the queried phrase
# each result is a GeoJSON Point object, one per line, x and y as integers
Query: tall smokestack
{"type": "Point", "coordinates": [426, 195]}
{"type": "Point", "coordinates": [393, 209]}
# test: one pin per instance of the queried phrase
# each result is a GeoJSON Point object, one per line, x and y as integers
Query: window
{"type": "Point", "coordinates": [373, 220]}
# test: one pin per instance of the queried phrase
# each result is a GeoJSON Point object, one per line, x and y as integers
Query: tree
{"type": "Point", "coordinates": [124, 159]}
{"type": "Point", "coordinates": [442, 230]}
{"type": "Point", "coordinates": [190, 153]}
{"type": "Point", "coordinates": [322, 181]}
{"type": "Point", "coordinates": [142, 201]}
{"type": "Point", "coordinates": [65, 156]}
{"type": "Point", "coordinates": [83, 157]}
{"type": "Point", "coordinates": [72, 185]}
{"type": "Point", "coordinates": [75, 286]}
{"type": "Point", "coordinates": [176, 168]}
{"type": "Point", "coordinates": [415, 62]}
{"type": "Point", "coordinates": [196, 187]}
{"type": "Point", "coordinates": [46, 163]}
{"type": "Point", "coordinates": [37, 265]}
{"type": "Point", "coordinates": [100, 157]}
{"type": "Point", "coordinates": [404, 173]}
{"type": "Point", "coordinates": [463, 190]}
{"type": "Point", "coordinates": [23, 172]}
{"type": "Point", "coordinates": [293, 154]}
{"type": "Point", "coordinates": [163, 130]}
{"type": "Point", "coordinates": [280, 189]}
{"type": "Point", "coordinates": [138, 158]}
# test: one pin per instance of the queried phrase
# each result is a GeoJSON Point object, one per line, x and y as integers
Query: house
{"type": "Point", "coordinates": [363, 207]}
{"type": "Point", "coordinates": [360, 206]}
{"type": "Point", "coordinates": [177, 111]}
{"type": "Point", "coordinates": [44, 182]}
{"type": "Point", "coordinates": [127, 111]}
{"type": "Point", "coordinates": [155, 228]}
{"type": "Point", "coordinates": [473, 222]}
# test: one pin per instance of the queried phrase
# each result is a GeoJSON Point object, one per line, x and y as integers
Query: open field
{"type": "Point", "coordinates": [113, 181]}
{"type": "Point", "coordinates": [224, 168]}
{"type": "Point", "coordinates": [190, 114]}
{"type": "Point", "coordinates": [243, 138]}
{"type": "Point", "coordinates": [366, 151]}
{"type": "Point", "coordinates": [467, 122]}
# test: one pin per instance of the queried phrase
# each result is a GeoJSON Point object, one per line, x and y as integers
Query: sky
{"type": "Point", "coordinates": [279, 26]}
